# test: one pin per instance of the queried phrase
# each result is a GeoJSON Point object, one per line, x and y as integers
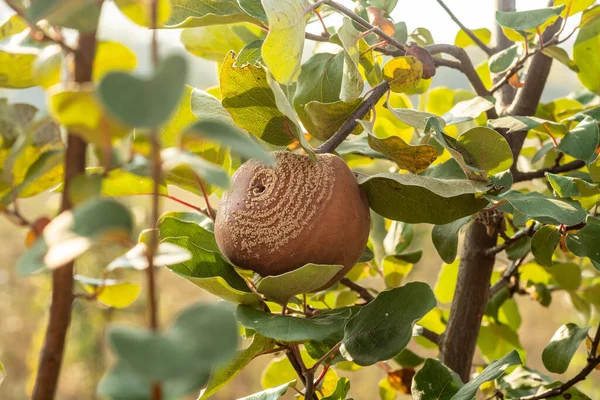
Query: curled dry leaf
{"type": "Point", "coordinates": [515, 81]}
{"type": "Point", "coordinates": [401, 379]}
{"type": "Point", "coordinates": [377, 19]}
{"type": "Point", "coordinates": [426, 59]}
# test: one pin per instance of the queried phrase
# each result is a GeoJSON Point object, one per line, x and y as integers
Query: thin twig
{"type": "Point", "coordinates": [209, 209]}
{"type": "Point", "coordinates": [469, 32]}
{"type": "Point", "coordinates": [362, 292]}
{"type": "Point", "coordinates": [326, 357]}
{"type": "Point", "coordinates": [361, 21]}
{"type": "Point", "coordinates": [156, 389]}
{"type": "Point", "coordinates": [519, 176]}
{"type": "Point", "coordinates": [37, 29]}
{"type": "Point", "coordinates": [350, 123]}
{"type": "Point", "coordinates": [431, 336]}
{"type": "Point", "coordinates": [506, 276]}
{"type": "Point", "coordinates": [528, 231]}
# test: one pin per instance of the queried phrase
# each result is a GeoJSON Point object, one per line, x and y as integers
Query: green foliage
{"type": "Point", "coordinates": [435, 381]}
{"type": "Point", "coordinates": [562, 347]}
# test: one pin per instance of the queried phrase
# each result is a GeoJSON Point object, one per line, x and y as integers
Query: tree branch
{"type": "Point", "coordinates": [362, 292]}
{"type": "Point", "coordinates": [519, 176]}
{"type": "Point", "coordinates": [62, 278]}
{"type": "Point", "coordinates": [431, 336]}
{"type": "Point", "coordinates": [469, 32]}
{"type": "Point", "coordinates": [506, 276]}
{"type": "Point", "coordinates": [350, 123]}
{"type": "Point", "coordinates": [37, 29]}
{"type": "Point", "coordinates": [509, 242]}
{"type": "Point", "coordinates": [467, 68]}
{"type": "Point", "coordinates": [361, 21]}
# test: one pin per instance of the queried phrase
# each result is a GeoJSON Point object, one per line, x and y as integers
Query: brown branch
{"type": "Point", "coordinates": [209, 209]}
{"type": "Point", "coordinates": [37, 29]}
{"type": "Point", "coordinates": [362, 292]}
{"type": "Point", "coordinates": [519, 176]}
{"type": "Point", "coordinates": [592, 362]}
{"type": "Point", "coordinates": [458, 343]}
{"type": "Point", "coordinates": [361, 21]}
{"type": "Point", "coordinates": [431, 336]}
{"type": "Point", "coordinates": [506, 276]}
{"type": "Point", "coordinates": [530, 230]}
{"type": "Point", "coordinates": [350, 123]}
{"type": "Point", "coordinates": [62, 278]}
{"type": "Point", "coordinates": [469, 32]}
{"type": "Point", "coordinates": [152, 301]}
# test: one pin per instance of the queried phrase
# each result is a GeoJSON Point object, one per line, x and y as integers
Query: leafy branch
{"type": "Point", "coordinates": [469, 32]}
{"type": "Point", "coordinates": [39, 31]}
{"type": "Point", "coordinates": [519, 176]}
{"type": "Point", "coordinates": [528, 231]}
{"type": "Point", "coordinates": [592, 361]}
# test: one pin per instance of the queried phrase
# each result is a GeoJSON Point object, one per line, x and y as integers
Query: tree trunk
{"type": "Point", "coordinates": [62, 278]}
{"type": "Point", "coordinates": [470, 299]}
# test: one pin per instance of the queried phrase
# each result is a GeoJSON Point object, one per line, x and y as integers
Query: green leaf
{"type": "Point", "coordinates": [292, 329]}
{"type": "Point", "coordinates": [352, 81]}
{"type": "Point", "coordinates": [504, 59]}
{"type": "Point", "coordinates": [113, 293]}
{"type": "Point", "coordinates": [586, 51]}
{"type": "Point", "coordinates": [305, 279]}
{"type": "Point", "coordinates": [80, 15]}
{"type": "Point", "coordinates": [403, 73]}
{"type": "Point", "coordinates": [251, 102]}
{"type": "Point", "coordinates": [166, 254]}
{"type": "Point", "coordinates": [254, 8]}
{"type": "Point", "coordinates": [207, 268]}
{"type": "Point", "coordinates": [493, 371]}
{"type": "Point", "coordinates": [175, 160]}
{"type": "Point", "coordinates": [224, 374]}
{"type": "Point", "coordinates": [584, 242]}
{"type": "Point", "coordinates": [561, 55]}
{"type": "Point", "coordinates": [435, 381]}
{"type": "Point", "coordinates": [206, 106]}
{"type": "Point", "coordinates": [568, 275]}
{"type": "Point", "coordinates": [544, 208]}
{"type": "Point", "coordinates": [383, 328]}
{"type": "Point", "coordinates": [544, 243]}
{"type": "Point", "coordinates": [192, 13]}
{"type": "Point", "coordinates": [408, 359]}
{"type": "Point", "coordinates": [446, 282]}
{"type": "Point", "coordinates": [418, 199]}
{"type": "Point", "coordinates": [445, 238]}
{"type": "Point", "coordinates": [214, 42]}
{"type": "Point", "coordinates": [342, 388]}
{"type": "Point", "coordinates": [179, 354]}
{"type": "Point", "coordinates": [581, 142]}
{"type": "Point", "coordinates": [524, 20]}
{"type": "Point", "coordinates": [395, 270]}
{"type": "Point", "coordinates": [467, 110]}
{"type": "Point", "coordinates": [567, 186]}
{"type": "Point", "coordinates": [489, 149]}
{"type": "Point", "coordinates": [44, 173]}
{"type": "Point", "coordinates": [519, 249]}
{"type": "Point", "coordinates": [412, 158]}
{"type": "Point", "coordinates": [463, 40]}
{"type": "Point", "coordinates": [227, 136]}
{"type": "Point", "coordinates": [74, 232]}
{"type": "Point", "coordinates": [417, 119]}
{"type": "Point", "coordinates": [144, 102]}
{"type": "Point", "coordinates": [269, 394]}
{"type": "Point", "coordinates": [282, 49]}
{"type": "Point", "coordinates": [320, 79]}
{"type": "Point", "coordinates": [516, 124]}
{"type": "Point", "coordinates": [322, 120]}
{"type": "Point", "coordinates": [250, 54]}
{"type": "Point", "coordinates": [558, 353]}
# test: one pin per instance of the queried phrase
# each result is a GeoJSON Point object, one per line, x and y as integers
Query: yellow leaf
{"type": "Point", "coordinates": [11, 26]}
{"type": "Point", "coordinates": [573, 6]}
{"type": "Point", "coordinates": [139, 11]}
{"type": "Point", "coordinates": [463, 40]}
{"type": "Point", "coordinates": [282, 49]}
{"type": "Point", "coordinates": [117, 295]}
{"type": "Point", "coordinates": [47, 67]}
{"type": "Point", "coordinates": [16, 68]}
{"type": "Point", "coordinates": [112, 56]}
{"type": "Point", "coordinates": [403, 73]}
